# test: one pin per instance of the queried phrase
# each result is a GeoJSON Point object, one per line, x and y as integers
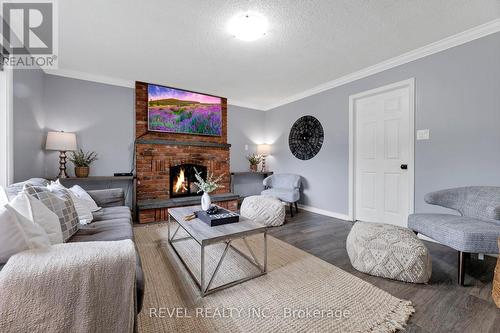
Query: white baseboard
{"type": "Point", "coordinates": [325, 212]}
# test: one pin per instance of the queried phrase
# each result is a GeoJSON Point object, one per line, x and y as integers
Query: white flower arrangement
{"type": "Point", "coordinates": [207, 185]}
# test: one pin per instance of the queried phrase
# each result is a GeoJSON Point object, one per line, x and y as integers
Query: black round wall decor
{"type": "Point", "coordinates": [306, 137]}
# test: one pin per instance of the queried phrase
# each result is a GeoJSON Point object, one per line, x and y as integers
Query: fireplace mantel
{"type": "Point", "coordinates": [182, 143]}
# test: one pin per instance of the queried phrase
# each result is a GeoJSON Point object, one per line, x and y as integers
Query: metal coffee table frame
{"type": "Point", "coordinates": [204, 291]}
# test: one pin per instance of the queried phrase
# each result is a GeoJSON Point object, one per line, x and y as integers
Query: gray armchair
{"type": "Point", "coordinates": [284, 186]}
{"type": "Point", "coordinates": [475, 230]}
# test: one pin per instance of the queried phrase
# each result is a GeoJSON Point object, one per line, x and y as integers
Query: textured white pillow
{"type": "Point", "coordinates": [54, 186]}
{"type": "Point", "coordinates": [11, 236]}
{"type": "Point", "coordinates": [17, 233]}
{"type": "Point", "coordinates": [35, 211]}
{"type": "Point", "coordinates": [82, 194]}
{"type": "Point", "coordinates": [4, 199]}
{"type": "Point", "coordinates": [82, 208]}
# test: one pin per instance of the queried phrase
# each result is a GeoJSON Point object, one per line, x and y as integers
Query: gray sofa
{"type": "Point", "coordinates": [111, 223]}
{"type": "Point", "coordinates": [475, 230]}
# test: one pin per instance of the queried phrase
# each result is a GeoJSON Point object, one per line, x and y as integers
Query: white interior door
{"type": "Point", "coordinates": [383, 154]}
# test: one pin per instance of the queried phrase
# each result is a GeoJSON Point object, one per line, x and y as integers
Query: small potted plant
{"type": "Point", "coordinates": [207, 186]}
{"type": "Point", "coordinates": [82, 161]}
{"type": "Point", "coordinates": [254, 160]}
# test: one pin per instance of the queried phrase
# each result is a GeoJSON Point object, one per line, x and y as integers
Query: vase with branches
{"type": "Point", "coordinates": [82, 161]}
{"type": "Point", "coordinates": [208, 185]}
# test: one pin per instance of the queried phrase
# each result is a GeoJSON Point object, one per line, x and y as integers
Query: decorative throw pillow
{"type": "Point", "coordinates": [38, 213]}
{"type": "Point", "coordinates": [60, 203]}
{"type": "Point", "coordinates": [14, 189]}
{"type": "Point", "coordinates": [82, 209]}
{"type": "Point", "coordinates": [18, 234]}
{"type": "Point", "coordinates": [83, 195]}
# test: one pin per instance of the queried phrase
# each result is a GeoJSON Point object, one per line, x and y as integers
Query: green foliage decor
{"type": "Point", "coordinates": [254, 159]}
{"type": "Point", "coordinates": [83, 159]}
{"type": "Point", "coordinates": [207, 185]}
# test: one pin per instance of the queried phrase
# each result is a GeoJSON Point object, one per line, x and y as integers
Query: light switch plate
{"type": "Point", "coordinates": [423, 134]}
{"type": "Point", "coordinates": [246, 147]}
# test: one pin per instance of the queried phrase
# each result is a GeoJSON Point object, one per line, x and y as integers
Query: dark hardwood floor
{"type": "Point", "coordinates": [441, 305]}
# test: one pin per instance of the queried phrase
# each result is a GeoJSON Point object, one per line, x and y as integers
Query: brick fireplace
{"type": "Point", "coordinates": [158, 154]}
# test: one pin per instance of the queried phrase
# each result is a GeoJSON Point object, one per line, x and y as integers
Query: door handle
{"type": "Point", "coordinates": [404, 166]}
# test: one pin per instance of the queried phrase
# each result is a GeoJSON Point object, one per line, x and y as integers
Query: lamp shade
{"type": "Point", "coordinates": [61, 141]}
{"type": "Point", "coordinates": [264, 149]}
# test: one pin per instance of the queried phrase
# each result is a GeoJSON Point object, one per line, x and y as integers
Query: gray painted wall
{"type": "Point", "coordinates": [457, 98]}
{"type": "Point", "coordinates": [101, 115]}
{"type": "Point", "coordinates": [29, 123]}
{"type": "Point", "coordinates": [246, 127]}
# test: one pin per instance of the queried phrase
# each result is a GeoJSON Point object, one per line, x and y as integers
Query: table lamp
{"type": "Point", "coordinates": [264, 150]}
{"type": "Point", "coordinates": [62, 142]}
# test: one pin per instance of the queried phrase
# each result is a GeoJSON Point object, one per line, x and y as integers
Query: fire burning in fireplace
{"type": "Point", "coordinates": [182, 179]}
{"type": "Point", "coordinates": [180, 183]}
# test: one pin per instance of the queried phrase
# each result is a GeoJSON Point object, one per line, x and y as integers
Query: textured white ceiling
{"type": "Point", "coordinates": [185, 44]}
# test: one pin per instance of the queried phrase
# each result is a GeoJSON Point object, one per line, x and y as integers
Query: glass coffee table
{"type": "Point", "coordinates": [205, 236]}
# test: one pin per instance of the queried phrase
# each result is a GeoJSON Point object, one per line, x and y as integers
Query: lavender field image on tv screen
{"type": "Point", "coordinates": [178, 111]}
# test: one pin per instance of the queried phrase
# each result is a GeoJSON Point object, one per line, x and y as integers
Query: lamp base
{"type": "Point", "coordinates": [263, 169]}
{"type": "Point", "coordinates": [62, 165]}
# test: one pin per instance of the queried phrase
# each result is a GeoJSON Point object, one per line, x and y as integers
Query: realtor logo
{"type": "Point", "coordinates": [29, 34]}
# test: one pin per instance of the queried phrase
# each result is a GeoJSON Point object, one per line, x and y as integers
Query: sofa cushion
{"type": "Point", "coordinates": [111, 213]}
{"type": "Point", "coordinates": [284, 194]}
{"type": "Point", "coordinates": [461, 233]}
{"type": "Point", "coordinates": [108, 230]}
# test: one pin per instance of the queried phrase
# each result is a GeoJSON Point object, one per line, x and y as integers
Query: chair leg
{"type": "Point", "coordinates": [296, 207]}
{"type": "Point", "coordinates": [462, 256]}
{"type": "Point", "coordinates": [291, 208]}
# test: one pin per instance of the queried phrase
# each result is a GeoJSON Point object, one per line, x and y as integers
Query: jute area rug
{"type": "Point", "coordinates": [300, 293]}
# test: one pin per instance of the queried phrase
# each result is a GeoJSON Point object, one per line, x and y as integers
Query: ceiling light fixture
{"type": "Point", "coordinates": [248, 26]}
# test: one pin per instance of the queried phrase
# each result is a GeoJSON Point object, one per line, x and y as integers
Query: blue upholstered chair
{"type": "Point", "coordinates": [475, 230]}
{"type": "Point", "coordinates": [284, 186]}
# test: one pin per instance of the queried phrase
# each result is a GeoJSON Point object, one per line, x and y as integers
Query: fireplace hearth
{"type": "Point", "coordinates": [182, 179]}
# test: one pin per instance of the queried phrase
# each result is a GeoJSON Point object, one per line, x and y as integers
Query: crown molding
{"type": "Point", "coordinates": [254, 107]}
{"type": "Point", "coordinates": [91, 77]}
{"type": "Point", "coordinates": [466, 36]}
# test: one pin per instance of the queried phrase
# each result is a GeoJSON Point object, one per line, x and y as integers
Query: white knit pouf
{"type": "Point", "coordinates": [268, 210]}
{"type": "Point", "coordinates": [388, 251]}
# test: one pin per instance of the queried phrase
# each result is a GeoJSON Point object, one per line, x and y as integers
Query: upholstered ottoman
{"type": "Point", "coordinates": [388, 251]}
{"type": "Point", "coordinates": [268, 210]}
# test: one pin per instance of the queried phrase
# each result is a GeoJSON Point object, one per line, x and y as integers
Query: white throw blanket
{"type": "Point", "coordinates": [72, 287]}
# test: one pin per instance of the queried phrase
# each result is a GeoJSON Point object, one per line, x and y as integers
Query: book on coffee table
{"type": "Point", "coordinates": [223, 216]}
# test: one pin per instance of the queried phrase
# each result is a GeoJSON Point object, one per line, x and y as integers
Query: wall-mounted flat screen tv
{"type": "Point", "coordinates": [173, 110]}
